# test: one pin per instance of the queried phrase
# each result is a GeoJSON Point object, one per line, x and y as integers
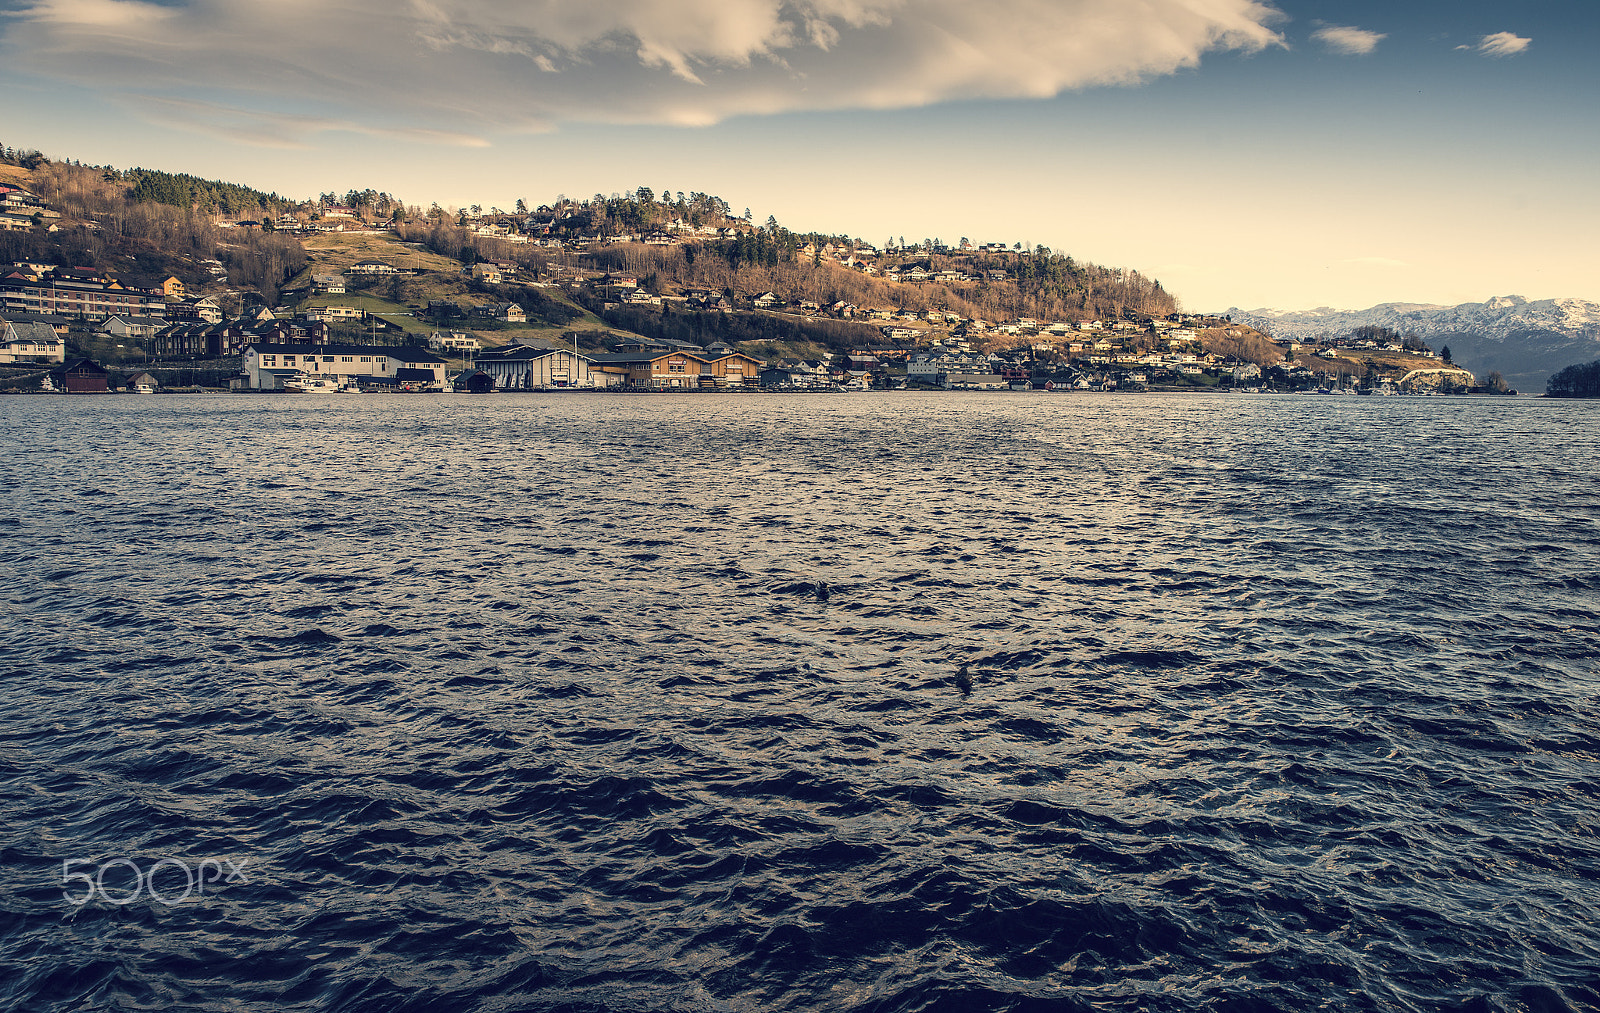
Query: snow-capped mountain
{"type": "Point", "coordinates": [1527, 341]}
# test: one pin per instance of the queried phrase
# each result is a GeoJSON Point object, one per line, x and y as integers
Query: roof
{"type": "Point", "coordinates": [628, 358]}
{"type": "Point", "coordinates": [522, 353]}
{"type": "Point", "coordinates": [30, 330]}
{"type": "Point", "coordinates": [405, 353]}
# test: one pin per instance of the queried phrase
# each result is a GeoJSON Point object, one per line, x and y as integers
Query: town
{"type": "Point", "coordinates": [637, 293]}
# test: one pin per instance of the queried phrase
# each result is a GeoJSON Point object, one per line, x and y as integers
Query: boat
{"type": "Point", "coordinates": [311, 383]}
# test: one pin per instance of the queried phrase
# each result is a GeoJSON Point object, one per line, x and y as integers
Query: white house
{"type": "Point", "coordinates": [453, 343]}
{"type": "Point", "coordinates": [135, 328]}
{"type": "Point", "coordinates": [316, 313]}
{"type": "Point", "coordinates": [30, 341]}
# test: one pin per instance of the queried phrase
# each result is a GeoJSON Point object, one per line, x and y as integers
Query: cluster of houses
{"type": "Point", "coordinates": [21, 210]}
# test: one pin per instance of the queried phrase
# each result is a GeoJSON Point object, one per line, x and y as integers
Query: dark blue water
{"type": "Point", "coordinates": [532, 703]}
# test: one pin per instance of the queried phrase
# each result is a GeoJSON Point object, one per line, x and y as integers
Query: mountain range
{"type": "Point", "coordinates": [1524, 340]}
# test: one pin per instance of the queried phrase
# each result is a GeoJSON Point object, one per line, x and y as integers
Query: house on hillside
{"type": "Point", "coordinates": [195, 309]}
{"type": "Point", "coordinates": [509, 312]}
{"type": "Point", "coordinates": [456, 343]}
{"type": "Point", "coordinates": [30, 341]}
{"type": "Point", "coordinates": [130, 328]}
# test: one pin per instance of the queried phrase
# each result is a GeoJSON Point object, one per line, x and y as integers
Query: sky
{"type": "Point", "coordinates": [1287, 155]}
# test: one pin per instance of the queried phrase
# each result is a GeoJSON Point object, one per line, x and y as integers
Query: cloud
{"type": "Point", "coordinates": [1500, 44]}
{"type": "Point", "coordinates": [480, 66]}
{"type": "Point", "coordinates": [275, 130]}
{"type": "Point", "coordinates": [1348, 41]}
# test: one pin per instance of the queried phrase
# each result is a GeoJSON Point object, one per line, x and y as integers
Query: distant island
{"type": "Point", "coordinates": [1576, 381]}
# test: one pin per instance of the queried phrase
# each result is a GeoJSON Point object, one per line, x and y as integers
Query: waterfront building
{"type": "Point", "coordinates": [526, 367]}
{"type": "Point", "coordinates": [367, 367]}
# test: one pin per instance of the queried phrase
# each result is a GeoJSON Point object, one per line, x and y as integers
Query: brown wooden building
{"type": "Point", "coordinates": [85, 376]}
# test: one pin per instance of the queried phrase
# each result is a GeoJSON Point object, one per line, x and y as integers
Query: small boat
{"type": "Point", "coordinates": [311, 383]}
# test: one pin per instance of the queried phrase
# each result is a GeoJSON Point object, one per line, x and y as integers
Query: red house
{"type": "Point", "coordinates": [86, 376]}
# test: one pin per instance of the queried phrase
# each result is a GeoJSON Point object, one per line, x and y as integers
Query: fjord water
{"type": "Point", "coordinates": [532, 703]}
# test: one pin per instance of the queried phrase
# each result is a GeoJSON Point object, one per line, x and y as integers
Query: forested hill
{"type": "Point", "coordinates": [144, 223]}
{"type": "Point", "coordinates": [693, 241]}
{"type": "Point", "coordinates": [202, 195]}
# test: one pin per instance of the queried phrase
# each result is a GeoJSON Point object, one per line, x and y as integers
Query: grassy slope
{"type": "Point", "coordinates": [1354, 362]}
{"type": "Point", "coordinates": [333, 253]}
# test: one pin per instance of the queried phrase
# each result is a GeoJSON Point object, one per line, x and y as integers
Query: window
{"type": "Point", "coordinates": [288, 360]}
{"type": "Point", "coordinates": [345, 358]}
{"type": "Point", "coordinates": [366, 358]}
{"type": "Point", "coordinates": [327, 358]}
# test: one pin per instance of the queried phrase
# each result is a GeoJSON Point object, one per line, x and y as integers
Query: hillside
{"type": "Point", "coordinates": [113, 221]}
{"type": "Point", "coordinates": [1526, 341]}
{"type": "Point", "coordinates": [401, 301]}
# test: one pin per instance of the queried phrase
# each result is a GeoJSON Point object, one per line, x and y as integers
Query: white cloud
{"type": "Point", "coordinates": [1348, 41]}
{"type": "Point", "coordinates": [471, 66]}
{"type": "Point", "coordinates": [275, 130]}
{"type": "Point", "coordinates": [1500, 44]}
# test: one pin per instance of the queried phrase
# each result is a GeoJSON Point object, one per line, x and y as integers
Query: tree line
{"type": "Point", "coordinates": [1581, 380]}
{"type": "Point", "coordinates": [109, 217]}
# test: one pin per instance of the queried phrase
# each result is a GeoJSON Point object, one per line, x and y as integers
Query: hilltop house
{"type": "Point", "coordinates": [509, 312]}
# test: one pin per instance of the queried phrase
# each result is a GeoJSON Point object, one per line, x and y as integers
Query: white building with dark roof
{"type": "Point", "coordinates": [29, 341]}
{"type": "Point", "coordinates": [529, 367]}
{"type": "Point", "coordinates": [363, 367]}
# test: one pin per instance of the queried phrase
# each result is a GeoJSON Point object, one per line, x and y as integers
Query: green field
{"type": "Point", "coordinates": [442, 281]}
